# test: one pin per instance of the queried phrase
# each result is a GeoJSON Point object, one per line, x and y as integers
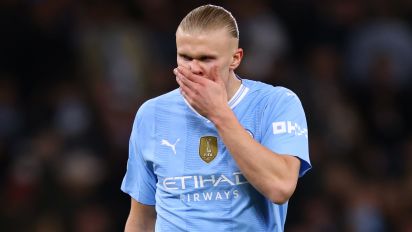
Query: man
{"type": "Point", "coordinates": [220, 153]}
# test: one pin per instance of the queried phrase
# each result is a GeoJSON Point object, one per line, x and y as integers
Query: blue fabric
{"type": "Point", "coordinates": [165, 169]}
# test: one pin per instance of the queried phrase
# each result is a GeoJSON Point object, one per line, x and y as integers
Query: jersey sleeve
{"type": "Point", "coordinates": [284, 128]}
{"type": "Point", "coordinates": [139, 181]}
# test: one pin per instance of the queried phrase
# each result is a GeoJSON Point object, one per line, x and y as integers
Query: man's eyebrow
{"type": "Point", "coordinates": [203, 57]}
{"type": "Point", "coordinates": [200, 57]}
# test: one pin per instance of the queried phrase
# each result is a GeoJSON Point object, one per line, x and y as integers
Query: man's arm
{"type": "Point", "coordinates": [141, 218]}
{"type": "Point", "coordinates": [274, 175]}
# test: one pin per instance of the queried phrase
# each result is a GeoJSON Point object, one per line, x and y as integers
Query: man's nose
{"type": "Point", "coordinates": [195, 67]}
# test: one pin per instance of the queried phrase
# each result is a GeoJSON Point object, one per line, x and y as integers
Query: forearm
{"type": "Point", "coordinates": [134, 225]}
{"type": "Point", "coordinates": [142, 218]}
{"type": "Point", "coordinates": [272, 174]}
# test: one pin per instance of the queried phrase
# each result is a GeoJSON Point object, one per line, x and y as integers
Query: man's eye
{"type": "Point", "coordinates": [186, 58]}
{"type": "Point", "coordinates": [206, 58]}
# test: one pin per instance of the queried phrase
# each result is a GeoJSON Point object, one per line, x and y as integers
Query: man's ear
{"type": "Point", "coordinates": [236, 59]}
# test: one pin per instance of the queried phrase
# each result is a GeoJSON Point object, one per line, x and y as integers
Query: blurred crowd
{"type": "Point", "coordinates": [73, 73]}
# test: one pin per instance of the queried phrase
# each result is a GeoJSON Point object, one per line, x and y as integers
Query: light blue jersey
{"type": "Point", "coordinates": [178, 162]}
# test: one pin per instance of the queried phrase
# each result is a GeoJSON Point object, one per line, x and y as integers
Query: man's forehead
{"type": "Point", "coordinates": [212, 38]}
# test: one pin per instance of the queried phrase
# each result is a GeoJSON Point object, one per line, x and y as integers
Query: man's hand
{"type": "Point", "coordinates": [207, 95]}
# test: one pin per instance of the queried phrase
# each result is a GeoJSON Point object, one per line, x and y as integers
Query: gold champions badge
{"type": "Point", "coordinates": [208, 148]}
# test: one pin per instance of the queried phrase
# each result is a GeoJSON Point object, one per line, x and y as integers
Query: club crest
{"type": "Point", "coordinates": [208, 148]}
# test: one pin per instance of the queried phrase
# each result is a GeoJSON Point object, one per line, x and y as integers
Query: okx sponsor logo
{"type": "Point", "coordinates": [289, 127]}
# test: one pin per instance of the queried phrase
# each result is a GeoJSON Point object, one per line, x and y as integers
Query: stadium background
{"type": "Point", "coordinates": [73, 73]}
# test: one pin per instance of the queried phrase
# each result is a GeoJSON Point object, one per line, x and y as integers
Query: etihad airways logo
{"type": "Point", "coordinates": [181, 182]}
{"type": "Point", "coordinates": [289, 127]}
{"type": "Point", "coordinates": [217, 187]}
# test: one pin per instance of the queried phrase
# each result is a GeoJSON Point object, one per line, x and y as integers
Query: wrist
{"type": "Point", "coordinates": [222, 117]}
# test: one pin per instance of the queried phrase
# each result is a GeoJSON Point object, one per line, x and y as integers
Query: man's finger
{"type": "Point", "coordinates": [183, 81]}
{"type": "Point", "coordinates": [184, 89]}
{"type": "Point", "coordinates": [191, 76]}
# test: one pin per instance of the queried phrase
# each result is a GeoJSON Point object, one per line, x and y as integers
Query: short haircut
{"type": "Point", "coordinates": [209, 17]}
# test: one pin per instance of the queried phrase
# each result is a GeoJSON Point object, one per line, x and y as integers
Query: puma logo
{"type": "Point", "coordinates": [168, 144]}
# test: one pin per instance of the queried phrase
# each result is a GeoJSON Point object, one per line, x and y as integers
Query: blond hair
{"type": "Point", "coordinates": [209, 17]}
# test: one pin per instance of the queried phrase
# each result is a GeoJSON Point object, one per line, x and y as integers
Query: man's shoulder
{"type": "Point", "coordinates": [169, 98]}
{"type": "Point", "coordinates": [267, 90]}
{"type": "Point", "coordinates": [166, 99]}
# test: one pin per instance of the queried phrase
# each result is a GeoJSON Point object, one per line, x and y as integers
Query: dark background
{"type": "Point", "coordinates": [73, 74]}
